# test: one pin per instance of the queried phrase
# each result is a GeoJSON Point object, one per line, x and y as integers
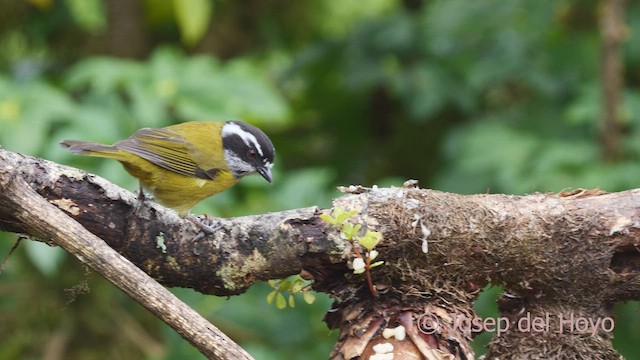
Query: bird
{"type": "Point", "coordinates": [186, 163]}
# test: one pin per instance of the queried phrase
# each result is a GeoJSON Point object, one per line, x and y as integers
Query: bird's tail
{"type": "Point", "coordinates": [92, 149]}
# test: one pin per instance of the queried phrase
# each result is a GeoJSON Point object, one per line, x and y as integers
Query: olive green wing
{"type": "Point", "coordinates": [166, 149]}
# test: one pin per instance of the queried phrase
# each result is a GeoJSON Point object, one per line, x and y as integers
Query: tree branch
{"type": "Point", "coordinates": [570, 254]}
{"type": "Point", "coordinates": [245, 250]}
{"type": "Point", "coordinates": [46, 221]}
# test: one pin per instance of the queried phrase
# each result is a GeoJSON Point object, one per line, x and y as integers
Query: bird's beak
{"type": "Point", "coordinates": [265, 172]}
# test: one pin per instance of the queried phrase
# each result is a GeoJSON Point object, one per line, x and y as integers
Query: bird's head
{"type": "Point", "coordinates": [247, 150]}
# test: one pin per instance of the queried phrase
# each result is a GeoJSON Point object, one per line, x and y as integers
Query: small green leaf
{"type": "Point", "coordinates": [328, 219]}
{"type": "Point", "coordinates": [281, 302]}
{"type": "Point", "coordinates": [370, 239]}
{"type": "Point", "coordinates": [343, 215]}
{"type": "Point", "coordinates": [285, 285]}
{"type": "Point", "coordinates": [377, 263]}
{"type": "Point", "coordinates": [271, 296]}
{"type": "Point", "coordinates": [298, 284]}
{"type": "Point", "coordinates": [309, 297]}
{"type": "Point", "coordinates": [350, 230]}
{"type": "Point", "coordinates": [89, 14]}
{"type": "Point", "coordinates": [193, 18]}
{"type": "Point", "coordinates": [292, 301]}
{"type": "Point", "coordinates": [272, 283]}
{"type": "Point", "coordinates": [338, 216]}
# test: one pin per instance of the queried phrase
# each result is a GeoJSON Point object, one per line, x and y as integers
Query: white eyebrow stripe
{"type": "Point", "coordinates": [233, 128]}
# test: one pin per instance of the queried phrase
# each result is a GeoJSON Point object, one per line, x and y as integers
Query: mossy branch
{"type": "Point", "coordinates": [554, 253]}
{"type": "Point", "coordinates": [42, 219]}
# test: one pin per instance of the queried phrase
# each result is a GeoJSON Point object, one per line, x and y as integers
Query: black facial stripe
{"type": "Point", "coordinates": [235, 143]}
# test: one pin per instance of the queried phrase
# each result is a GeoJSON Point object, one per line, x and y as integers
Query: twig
{"type": "Point", "coordinates": [6, 258]}
{"type": "Point", "coordinates": [50, 223]}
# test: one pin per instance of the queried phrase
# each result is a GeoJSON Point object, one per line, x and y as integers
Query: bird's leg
{"type": "Point", "coordinates": [208, 225]}
{"type": "Point", "coordinates": [141, 199]}
{"type": "Point", "coordinates": [141, 196]}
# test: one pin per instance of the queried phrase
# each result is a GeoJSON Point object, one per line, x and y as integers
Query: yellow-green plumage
{"type": "Point", "coordinates": [181, 164]}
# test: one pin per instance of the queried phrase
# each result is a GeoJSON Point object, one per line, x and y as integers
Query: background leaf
{"type": "Point", "coordinates": [193, 17]}
{"type": "Point", "coordinates": [46, 258]}
{"type": "Point", "coordinates": [89, 14]}
{"type": "Point", "coordinates": [468, 97]}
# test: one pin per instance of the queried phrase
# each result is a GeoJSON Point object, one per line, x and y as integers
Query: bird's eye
{"type": "Point", "coordinates": [251, 154]}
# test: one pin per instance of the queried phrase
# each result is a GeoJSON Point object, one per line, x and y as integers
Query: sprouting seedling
{"type": "Point", "coordinates": [363, 262]}
{"type": "Point", "coordinates": [291, 285]}
{"type": "Point", "coordinates": [338, 216]}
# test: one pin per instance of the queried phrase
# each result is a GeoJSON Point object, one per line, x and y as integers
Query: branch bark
{"type": "Point", "coordinates": [569, 255]}
{"type": "Point", "coordinates": [46, 221]}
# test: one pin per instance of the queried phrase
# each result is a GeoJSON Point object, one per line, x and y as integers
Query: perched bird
{"type": "Point", "coordinates": [185, 163]}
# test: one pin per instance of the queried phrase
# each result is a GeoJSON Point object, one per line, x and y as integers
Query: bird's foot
{"type": "Point", "coordinates": [208, 225]}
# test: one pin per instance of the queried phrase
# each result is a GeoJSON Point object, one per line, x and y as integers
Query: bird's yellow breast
{"type": "Point", "coordinates": [174, 190]}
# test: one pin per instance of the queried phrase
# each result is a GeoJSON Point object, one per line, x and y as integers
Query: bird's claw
{"type": "Point", "coordinates": [208, 225]}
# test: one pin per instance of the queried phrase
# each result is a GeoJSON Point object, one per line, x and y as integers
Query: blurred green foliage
{"type": "Point", "coordinates": [484, 96]}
